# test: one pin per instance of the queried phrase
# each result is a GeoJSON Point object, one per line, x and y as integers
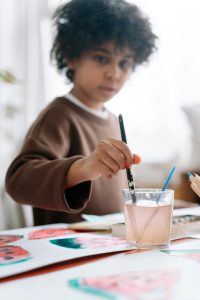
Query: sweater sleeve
{"type": "Point", "coordinates": [37, 175]}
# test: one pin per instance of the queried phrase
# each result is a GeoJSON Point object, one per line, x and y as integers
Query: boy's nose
{"type": "Point", "coordinates": [113, 72]}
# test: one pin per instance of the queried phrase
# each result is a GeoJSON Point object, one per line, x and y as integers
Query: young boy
{"type": "Point", "coordinates": [72, 155]}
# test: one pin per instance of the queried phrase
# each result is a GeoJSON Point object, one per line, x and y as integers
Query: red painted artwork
{"type": "Point", "coordinates": [49, 232]}
{"type": "Point", "coordinates": [136, 285]}
{"type": "Point", "coordinates": [10, 254]}
{"type": "Point", "coordinates": [6, 239]}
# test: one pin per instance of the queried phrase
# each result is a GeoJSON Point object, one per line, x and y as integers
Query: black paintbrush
{"type": "Point", "coordinates": [131, 185]}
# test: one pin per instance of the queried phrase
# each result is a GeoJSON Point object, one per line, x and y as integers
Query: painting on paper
{"type": "Point", "coordinates": [137, 285]}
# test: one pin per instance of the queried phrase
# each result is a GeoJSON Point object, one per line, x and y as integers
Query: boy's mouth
{"type": "Point", "coordinates": [108, 90]}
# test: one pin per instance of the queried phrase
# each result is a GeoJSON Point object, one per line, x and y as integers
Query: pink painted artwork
{"type": "Point", "coordinates": [10, 254]}
{"type": "Point", "coordinates": [193, 254]}
{"type": "Point", "coordinates": [6, 239]}
{"type": "Point", "coordinates": [89, 242]}
{"type": "Point", "coordinates": [137, 285]}
{"type": "Point", "coordinates": [49, 232]}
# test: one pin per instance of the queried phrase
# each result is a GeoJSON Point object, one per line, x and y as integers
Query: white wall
{"type": "Point", "coordinates": [151, 102]}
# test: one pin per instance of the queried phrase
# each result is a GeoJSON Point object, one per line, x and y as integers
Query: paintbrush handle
{"type": "Point", "coordinates": [130, 179]}
{"type": "Point", "coordinates": [131, 185]}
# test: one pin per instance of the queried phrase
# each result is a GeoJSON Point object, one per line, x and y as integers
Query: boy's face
{"type": "Point", "coordinates": [100, 73]}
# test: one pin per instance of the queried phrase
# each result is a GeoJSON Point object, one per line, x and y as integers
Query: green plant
{"type": "Point", "coordinates": [7, 76]}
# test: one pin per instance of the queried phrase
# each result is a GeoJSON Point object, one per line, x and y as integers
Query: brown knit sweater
{"type": "Point", "coordinates": [62, 133]}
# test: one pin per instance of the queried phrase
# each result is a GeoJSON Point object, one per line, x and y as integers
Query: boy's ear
{"type": "Point", "coordinates": [71, 63]}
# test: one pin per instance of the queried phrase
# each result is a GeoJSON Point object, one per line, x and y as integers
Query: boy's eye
{"type": "Point", "coordinates": [126, 65]}
{"type": "Point", "coordinates": [101, 59]}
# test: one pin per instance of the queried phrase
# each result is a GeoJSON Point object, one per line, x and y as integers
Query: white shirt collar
{"type": "Point", "coordinates": [101, 114]}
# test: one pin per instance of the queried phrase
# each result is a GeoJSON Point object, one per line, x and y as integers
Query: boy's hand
{"type": "Point", "coordinates": [109, 156]}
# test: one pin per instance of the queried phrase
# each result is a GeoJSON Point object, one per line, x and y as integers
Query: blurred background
{"type": "Point", "coordinates": [160, 103]}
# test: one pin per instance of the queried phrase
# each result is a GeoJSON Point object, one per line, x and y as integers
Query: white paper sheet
{"type": "Point", "coordinates": [25, 254]}
{"type": "Point", "coordinates": [154, 276]}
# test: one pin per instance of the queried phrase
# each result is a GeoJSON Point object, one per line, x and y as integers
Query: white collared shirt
{"type": "Point", "coordinates": [103, 114]}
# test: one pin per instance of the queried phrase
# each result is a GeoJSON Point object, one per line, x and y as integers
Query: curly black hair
{"type": "Point", "coordinates": [82, 24]}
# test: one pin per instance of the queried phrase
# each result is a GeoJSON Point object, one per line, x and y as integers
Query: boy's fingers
{"type": "Point", "coordinates": [136, 159]}
{"type": "Point", "coordinates": [108, 161]}
{"type": "Point", "coordinates": [125, 153]}
{"type": "Point", "coordinates": [123, 148]}
{"type": "Point", "coordinates": [117, 156]}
